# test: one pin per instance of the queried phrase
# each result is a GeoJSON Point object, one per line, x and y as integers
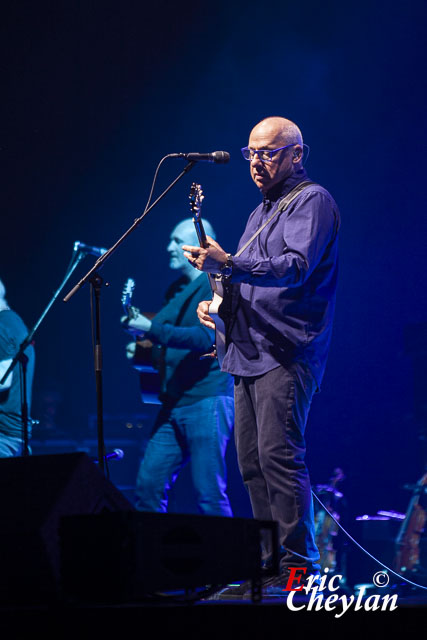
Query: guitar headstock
{"type": "Point", "coordinates": [128, 290]}
{"type": "Point", "coordinates": [196, 197]}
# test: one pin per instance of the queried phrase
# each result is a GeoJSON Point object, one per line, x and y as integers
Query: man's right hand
{"type": "Point", "coordinates": [136, 326]}
{"type": "Point", "coordinates": [203, 314]}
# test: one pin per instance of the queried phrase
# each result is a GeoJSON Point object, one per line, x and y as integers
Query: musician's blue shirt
{"type": "Point", "coordinates": [283, 284]}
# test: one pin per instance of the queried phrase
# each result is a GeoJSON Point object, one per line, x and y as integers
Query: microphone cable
{"type": "Point", "coordinates": [154, 181]}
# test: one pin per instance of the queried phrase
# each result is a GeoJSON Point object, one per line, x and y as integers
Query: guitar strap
{"type": "Point", "coordinates": [230, 303]}
{"type": "Point", "coordinates": [283, 204]}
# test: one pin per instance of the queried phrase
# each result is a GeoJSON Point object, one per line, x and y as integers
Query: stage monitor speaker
{"type": "Point", "coordinates": [125, 557]}
{"type": "Point", "coordinates": [35, 492]}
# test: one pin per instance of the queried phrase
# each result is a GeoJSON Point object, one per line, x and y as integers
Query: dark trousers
{"type": "Point", "coordinates": [270, 416]}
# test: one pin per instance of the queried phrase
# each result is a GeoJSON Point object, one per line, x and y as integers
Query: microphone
{"type": "Point", "coordinates": [87, 248]}
{"type": "Point", "coordinates": [117, 454]}
{"type": "Point", "coordinates": [220, 157]}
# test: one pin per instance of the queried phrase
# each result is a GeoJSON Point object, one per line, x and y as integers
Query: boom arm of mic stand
{"type": "Point", "coordinates": [99, 263]}
{"type": "Point", "coordinates": [30, 336]}
{"type": "Point", "coordinates": [93, 277]}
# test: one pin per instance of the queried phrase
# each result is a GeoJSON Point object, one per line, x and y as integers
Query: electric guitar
{"type": "Point", "coordinates": [146, 357]}
{"type": "Point", "coordinates": [196, 198]}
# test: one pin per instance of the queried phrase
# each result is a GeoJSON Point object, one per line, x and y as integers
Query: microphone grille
{"type": "Point", "coordinates": [221, 157]}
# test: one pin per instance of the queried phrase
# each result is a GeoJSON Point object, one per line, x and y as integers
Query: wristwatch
{"type": "Point", "coordinates": [227, 268]}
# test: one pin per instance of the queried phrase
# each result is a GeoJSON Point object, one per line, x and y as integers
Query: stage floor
{"type": "Point", "coordinates": [201, 619]}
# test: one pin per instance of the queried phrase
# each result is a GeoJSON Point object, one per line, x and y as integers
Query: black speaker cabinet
{"type": "Point", "coordinates": [119, 557]}
{"type": "Point", "coordinates": [35, 492]}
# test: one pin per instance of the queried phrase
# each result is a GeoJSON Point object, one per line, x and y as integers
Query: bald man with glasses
{"type": "Point", "coordinates": [280, 296]}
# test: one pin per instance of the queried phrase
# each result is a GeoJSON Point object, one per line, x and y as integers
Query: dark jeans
{"type": "Point", "coordinates": [270, 417]}
{"type": "Point", "coordinates": [10, 446]}
{"type": "Point", "coordinates": [197, 433]}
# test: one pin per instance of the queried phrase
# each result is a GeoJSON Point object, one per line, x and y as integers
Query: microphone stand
{"type": "Point", "coordinates": [96, 282]}
{"type": "Point", "coordinates": [22, 358]}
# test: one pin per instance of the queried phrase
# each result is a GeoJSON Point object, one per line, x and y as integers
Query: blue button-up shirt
{"type": "Point", "coordinates": [284, 283]}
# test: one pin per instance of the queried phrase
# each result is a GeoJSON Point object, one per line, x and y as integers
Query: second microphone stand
{"type": "Point", "coordinates": [22, 358]}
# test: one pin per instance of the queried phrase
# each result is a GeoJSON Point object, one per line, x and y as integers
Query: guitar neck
{"type": "Point", "coordinates": [200, 232]}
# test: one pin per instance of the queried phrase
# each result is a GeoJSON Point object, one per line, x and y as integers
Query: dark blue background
{"type": "Point", "coordinates": [94, 94]}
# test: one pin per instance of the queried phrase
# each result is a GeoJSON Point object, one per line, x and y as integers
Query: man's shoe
{"type": "Point", "coordinates": [233, 591]}
{"type": "Point", "coordinates": [242, 591]}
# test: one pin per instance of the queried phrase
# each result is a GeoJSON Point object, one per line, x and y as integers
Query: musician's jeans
{"type": "Point", "coordinates": [10, 446]}
{"type": "Point", "coordinates": [197, 433]}
{"type": "Point", "coordinates": [270, 416]}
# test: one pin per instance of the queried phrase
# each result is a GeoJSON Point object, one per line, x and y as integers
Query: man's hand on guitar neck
{"type": "Point", "coordinates": [130, 350]}
{"type": "Point", "coordinates": [136, 326]}
{"type": "Point", "coordinates": [203, 314]}
{"type": "Point", "coordinates": [209, 259]}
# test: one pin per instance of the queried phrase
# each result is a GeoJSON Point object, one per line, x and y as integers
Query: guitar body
{"type": "Point", "coordinates": [217, 299]}
{"type": "Point", "coordinates": [147, 360]}
{"type": "Point", "coordinates": [215, 281]}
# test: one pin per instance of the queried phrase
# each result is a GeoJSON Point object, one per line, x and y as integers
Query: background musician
{"type": "Point", "coordinates": [12, 333]}
{"type": "Point", "coordinates": [196, 416]}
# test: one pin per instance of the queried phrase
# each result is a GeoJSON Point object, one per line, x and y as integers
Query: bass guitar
{"type": "Point", "coordinates": [196, 198]}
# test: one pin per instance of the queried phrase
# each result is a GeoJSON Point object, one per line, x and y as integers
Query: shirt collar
{"type": "Point", "coordinates": [282, 188]}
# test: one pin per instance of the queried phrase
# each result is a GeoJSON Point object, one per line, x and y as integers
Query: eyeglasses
{"type": "Point", "coordinates": [265, 155]}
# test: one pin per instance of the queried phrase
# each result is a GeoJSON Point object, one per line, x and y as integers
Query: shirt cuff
{"type": "Point", "coordinates": [242, 268]}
